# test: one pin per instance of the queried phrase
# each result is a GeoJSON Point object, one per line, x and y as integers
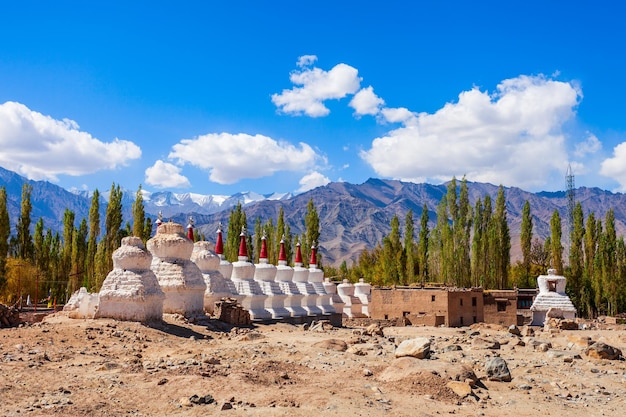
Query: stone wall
{"type": "Point", "coordinates": [394, 303]}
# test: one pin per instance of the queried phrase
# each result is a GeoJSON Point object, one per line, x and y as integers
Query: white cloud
{"type": "Point", "coordinates": [306, 60]}
{"type": "Point", "coordinates": [41, 147]}
{"type": "Point", "coordinates": [312, 180]}
{"type": "Point", "coordinates": [615, 167]}
{"type": "Point", "coordinates": [512, 137]}
{"type": "Point", "coordinates": [366, 102]}
{"type": "Point", "coordinates": [232, 157]}
{"type": "Point", "coordinates": [165, 175]}
{"type": "Point", "coordinates": [589, 146]}
{"type": "Point", "coordinates": [317, 86]}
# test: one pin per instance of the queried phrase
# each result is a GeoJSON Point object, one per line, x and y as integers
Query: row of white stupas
{"type": "Point", "coordinates": [174, 275]}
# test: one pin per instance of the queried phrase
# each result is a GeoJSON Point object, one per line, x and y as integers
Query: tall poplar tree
{"type": "Point", "coordinates": [236, 222]}
{"type": "Point", "coordinates": [576, 257]}
{"type": "Point", "coordinates": [311, 234]}
{"type": "Point", "coordinates": [502, 247]}
{"type": "Point", "coordinates": [556, 246]}
{"type": "Point", "coordinates": [5, 232]}
{"type": "Point", "coordinates": [92, 241]}
{"type": "Point", "coordinates": [113, 225]}
{"type": "Point", "coordinates": [526, 238]}
{"type": "Point", "coordinates": [422, 248]}
{"type": "Point", "coordinates": [24, 241]}
{"type": "Point", "coordinates": [409, 247]}
{"type": "Point", "coordinates": [139, 216]}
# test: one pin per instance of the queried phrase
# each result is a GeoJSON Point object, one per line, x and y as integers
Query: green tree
{"type": "Point", "coordinates": [139, 216]}
{"type": "Point", "coordinates": [422, 249]}
{"type": "Point", "coordinates": [556, 249]}
{"type": "Point", "coordinates": [409, 248]}
{"type": "Point", "coordinates": [112, 234]}
{"type": "Point", "coordinates": [236, 222]}
{"type": "Point", "coordinates": [5, 232]}
{"type": "Point", "coordinates": [68, 236]}
{"type": "Point", "coordinates": [311, 233]}
{"type": "Point", "coordinates": [92, 241]}
{"type": "Point", "coordinates": [526, 238]}
{"type": "Point", "coordinates": [24, 241]}
{"type": "Point", "coordinates": [576, 258]}
{"type": "Point", "coordinates": [501, 248]}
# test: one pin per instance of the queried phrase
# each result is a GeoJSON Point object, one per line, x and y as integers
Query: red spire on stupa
{"type": "Point", "coordinates": [313, 260]}
{"type": "Point", "coordinates": [219, 245]}
{"type": "Point", "coordinates": [282, 256]}
{"type": "Point", "coordinates": [298, 254]}
{"type": "Point", "coordinates": [243, 248]}
{"type": "Point", "coordinates": [190, 229]}
{"type": "Point", "coordinates": [263, 254]}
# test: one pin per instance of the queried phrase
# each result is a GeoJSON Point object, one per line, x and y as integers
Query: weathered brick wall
{"type": "Point", "coordinates": [495, 301]}
{"type": "Point", "coordinates": [395, 303]}
{"type": "Point", "coordinates": [465, 307]}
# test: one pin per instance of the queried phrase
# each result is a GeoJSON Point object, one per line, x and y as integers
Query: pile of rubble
{"type": "Point", "coordinates": [230, 311]}
{"type": "Point", "coordinates": [9, 316]}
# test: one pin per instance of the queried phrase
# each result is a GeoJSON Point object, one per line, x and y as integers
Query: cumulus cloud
{"type": "Point", "coordinates": [512, 137]}
{"type": "Point", "coordinates": [317, 86]}
{"type": "Point", "coordinates": [231, 157]}
{"type": "Point", "coordinates": [615, 167]}
{"type": "Point", "coordinates": [589, 146]}
{"type": "Point", "coordinates": [312, 180]}
{"type": "Point", "coordinates": [366, 102]}
{"type": "Point", "coordinates": [165, 175]}
{"type": "Point", "coordinates": [40, 147]}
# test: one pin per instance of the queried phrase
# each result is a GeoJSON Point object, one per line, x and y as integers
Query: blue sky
{"type": "Point", "coordinates": [222, 97]}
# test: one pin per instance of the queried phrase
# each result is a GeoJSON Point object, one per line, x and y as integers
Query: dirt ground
{"type": "Point", "coordinates": [70, 367]}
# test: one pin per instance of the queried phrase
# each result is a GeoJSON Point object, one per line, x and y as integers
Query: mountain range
{"type": "Point", "coordinates": [352, 216]}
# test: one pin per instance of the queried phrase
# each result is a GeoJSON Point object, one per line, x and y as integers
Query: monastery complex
{"type": "Point", "coordinates": [172, 274]}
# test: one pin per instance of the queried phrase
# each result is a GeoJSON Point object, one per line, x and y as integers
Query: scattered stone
{"type": "Point", "coordinates": [497, 370]}
{"type": "Point", "coordinates": [226, 406]}
{"type": "Point", "coordinates": [9, 316]}
{"type": "Point", "coordinates": [513, 329]}
{"type": "Point", "coordinates": [461, 389]}
{"type": "Point", "coordinates": [373, 330]}
{"type": "Point", "coordinates": [418, 348]}
{"type": "Point", "coordinates": [485, 343]}
{"type": "Point", "coordinates": [332, 344]}
{"type": "Point", "coordinates": [600, 350]}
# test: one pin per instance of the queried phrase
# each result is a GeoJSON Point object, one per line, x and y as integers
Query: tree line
{"type": "Point", "coordinates": [56, 264]}
{"type": "Point", "coordinates": [469, 246]}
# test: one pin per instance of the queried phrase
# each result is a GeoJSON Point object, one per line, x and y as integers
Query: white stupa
{"type": "Point", "coordinates": [301, 279]}
{"type": "Point", "coordinates": [180, 279]}
{"type": "Point", "coordinates": [551, 296]}
{"type": "Point", "coordinates": [363, 291]}
{"type": "Point", "coordinates": [284, 277]}
{"type": "Point", "coordinates": [265, 274]}
{"type": "Point", "coordinates": [316, 278]}
{"type": "Point", "coordinates": [335, 300]}
{"type": "Point", "coordinates": [131, 290]}
{"type": "Point", "coordinates": [217, 287]}
{"type": "Point", "coordinates": [243, 277]}
{"type": "Point", "coordinates": [352, 304]}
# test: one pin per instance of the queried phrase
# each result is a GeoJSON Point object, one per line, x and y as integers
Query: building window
{"type": "Point", "coordinates": [461, 302]}
{"type": "Point", "coordinates": [474, 319]}
{"type": "Point", "coordinates": [461, 321]}
{"type": "Point", "coordinates": [473, 301]}
{"type": "Point", "coordinates": [386, 317]}
{"type": "Point", "coordinates": [432, 298]}
{"type": "Point", "coordinates": [501, 305]}
{"type": "Point", "coordinates": [405, 313]}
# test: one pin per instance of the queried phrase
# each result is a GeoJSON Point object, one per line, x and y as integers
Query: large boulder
{"type": "Point", "coordinates": [417, 348]}
{"type": "Point", "coordinates": [497, 370]}
{"type": "Point", "coordinates": [600, 350]}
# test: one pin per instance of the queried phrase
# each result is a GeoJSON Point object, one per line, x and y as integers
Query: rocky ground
{"type": "Point", "coordinates": [174, 368]}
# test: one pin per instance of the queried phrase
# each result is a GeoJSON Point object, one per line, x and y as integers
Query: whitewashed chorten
{"type": "Point", "coordinates": [284, 277]}
{"type": "Point", "coordinates": [316, 278]}
{"type": "Point", "coordinates": [217, 287]}
{"type": "Point", "coordinates": [265, 274]}
{"type": "Point", "coordinates": [301, 279]}
{"type": "Point", "coordinates": [131, 290]}
{"type": "Point", "coordinates": [225, 267]}
{"type": "Point", "coordinates": [363, 291]}
{"type": "Point", "coordinates": [180, 279]}
{"type": "Point", "coordinates": [551, 296]}
{"type": "Point", "coordinates": [243, 276]}
{"type": "Point", "coordinates": [352, 304]}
